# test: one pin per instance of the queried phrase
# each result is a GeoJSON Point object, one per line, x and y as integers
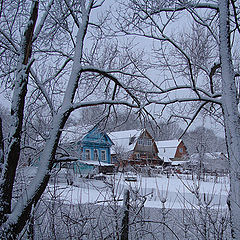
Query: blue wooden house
{"type": "Point", "coordinates": [87, 153]}
{"type": "Point", "coordinates": [95, 146]}
{"type": "Point", "coordinates": [95, 155]}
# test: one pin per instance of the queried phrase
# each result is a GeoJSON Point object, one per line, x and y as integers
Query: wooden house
{"type": "Point", "coordinates": [210, 162]}
{"type": "Point", "coordinates": [95, 146]}
{"type": "Point", "coordinates": [91, 147]}
{"type": "Point", "coordinates": [172, 150]}
{"type": "Point", "coordinates": [134, 147]}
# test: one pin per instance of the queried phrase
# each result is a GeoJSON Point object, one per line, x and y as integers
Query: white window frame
{"type": "Point", "coordinates": [95, 156]}
{"type": "Point", "coordinates": [103, 153]}
{"type": "Point", "coordinates": [140, 141]}
{"type": "Point", "coordinates": [149, 142]}
{"type": "Point", "coordinates": [87, 155]}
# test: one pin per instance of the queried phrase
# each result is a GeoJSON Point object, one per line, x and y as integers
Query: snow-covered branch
{"type": "Point", "coordinates": [206, 94]}
{"type": "Point", "coordinates": [72, 13]}
{"type": "Point", "coordinates": [42, 21]}
{"type": "Point", "coordinates": [182, 100]}
{"type": "Point", "coordinates": [105, 73]}
{"type": "Point", "coordinates": [102, 102]}
{"type": "Point", "coordinates": [184, 6]}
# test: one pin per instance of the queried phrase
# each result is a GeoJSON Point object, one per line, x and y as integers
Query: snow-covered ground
{"type": "Point", "coordinates": [177, 192]}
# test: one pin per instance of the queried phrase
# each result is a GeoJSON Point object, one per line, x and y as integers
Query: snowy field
{"type": "Point", "coordinates": [160, 208]}
{"type": "Point", "coordinates": [176, 192]}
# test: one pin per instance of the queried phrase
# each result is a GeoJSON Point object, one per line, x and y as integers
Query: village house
{"type": "Point", "coordinates": [95, 146]}
{"type": "Point", "coordinates": [173, 152]}
{"type": "Point", "coordinates": [210, 162]}
{"type": "Point", "coordinates": [134, 147]}
{"type": "Point", "coordinates": [91, 146]}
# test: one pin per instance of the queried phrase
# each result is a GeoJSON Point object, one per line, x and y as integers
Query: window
{"type": "Point", "coordinates": [149, 142]}
{"type": "Point", "coordinates": [87, 154]}
{"type": "Point", "coordinates": [140, 141]}
{"type": "Point", "coordinates": [103, 155]}
{"type": "Point", "coordinates": [95, 154]}
{"type": "Point", "coordinates": [181, 150]}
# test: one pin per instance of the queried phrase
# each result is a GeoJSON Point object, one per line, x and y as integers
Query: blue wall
{"type": "Point", "coordinates": [96, 140]}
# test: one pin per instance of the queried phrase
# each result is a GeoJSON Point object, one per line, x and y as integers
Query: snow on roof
{"type": "Point", "coordinates": [167, 153]}
{"type": "Point", "coordinates": [124, 140]}
{"type": "Point", "coordinates": [167, 149]}
{"type": "Point", "coordinates": [169, 143]}
{"type": "Point", "coordinates": [209, 156]}
{"type": "Point", "coordinates": [176, 163]}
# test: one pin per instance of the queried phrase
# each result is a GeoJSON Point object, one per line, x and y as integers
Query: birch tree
{"type": "Point", "coordinates": [53, 70]}
{"type": "Point", "coordinates": [198, 70]}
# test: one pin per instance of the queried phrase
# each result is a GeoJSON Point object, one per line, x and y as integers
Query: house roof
{"type": "Point", "coordinates": [97, 136]}
{"type": "Point", "coordinates": [167, 149]}
{"type": "Point", "coordinates": [84, 134]}
{"type": "Point", "coordinates": [124, 140]}
{"type": "Point", "coordinates": [169, 143]}
{"type": "Point", "coordinates": [214, 161]}
{"type": "Point", "coordinates": [207, 156]}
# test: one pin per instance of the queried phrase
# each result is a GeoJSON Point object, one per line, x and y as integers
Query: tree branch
{"type": "Point", "coordinates": [113, 78]}
{"type": "Point", "coordinates": [101, 102]}
{"type": "Point", "coordinates": [41, 23]}
{"type": "Point", "coordinates": [43, 91]}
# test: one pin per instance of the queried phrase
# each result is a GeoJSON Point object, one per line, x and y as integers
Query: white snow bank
{"type": "Point", "coordinates": [177, 193]}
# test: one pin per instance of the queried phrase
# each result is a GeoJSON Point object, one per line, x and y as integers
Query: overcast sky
{"type": "Point", "coordinates": [146, 44]}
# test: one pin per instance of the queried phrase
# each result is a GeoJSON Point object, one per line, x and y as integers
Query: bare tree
{"type": "Point", "coordinates": [63, 62]}
{"type": "Point", "coordinates": [198, 68]}
{"type": "Point", "coordinates": [205, 136]}
{"type": "Point", "coordinates": [17, 109]}
{"type": "Point", "coordinates": [61, 79]}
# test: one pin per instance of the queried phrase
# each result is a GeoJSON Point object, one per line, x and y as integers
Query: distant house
{"type": "Point", "coordinates": [92, 148]}
{"type": "Point", "coordinates": [212, 162]}
{"type": "Point", "coordinates": [134, 147]}
{"type": "Point", "coordinates": [172, 151]}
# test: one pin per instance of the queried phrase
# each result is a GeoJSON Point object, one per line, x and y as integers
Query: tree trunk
{"type": "Point", "coordinates": [17, 110]}
{"type": "Point", "coordinates": [17, 219]}
{"type": "Point", "coordinates": [1, 146]}
{"type": "Point", "coordinates": [30, 227]}
{"type": "Point", "coordinates": [231, 117]}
